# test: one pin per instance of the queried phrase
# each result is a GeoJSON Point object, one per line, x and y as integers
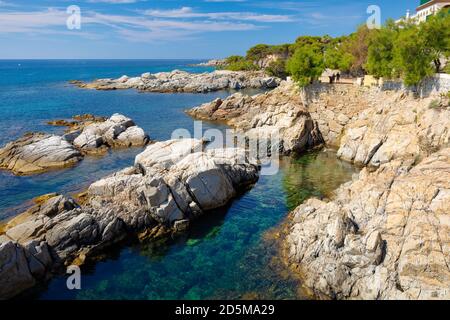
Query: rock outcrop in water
{"type": "Point", "coordinates": [39, 152]}
{"type": "Point", "coordinates": [171, 184]}
{"type": "Point", "coordinates": [384, 235]}
{"type": "Point", "coordinates": [117, 131]}
{"type": "Point", "coordinates": [279, 111]}
{"type": "Point", "coordinates": [212, 63]}
{"type": "Point", "coordinates": [181, 81]}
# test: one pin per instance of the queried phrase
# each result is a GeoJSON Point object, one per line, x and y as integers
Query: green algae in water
{"type": "Point", "coordinates": [225, 254]}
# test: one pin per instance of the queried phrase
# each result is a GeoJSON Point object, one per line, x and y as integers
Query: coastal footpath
{"type": "Point", "coordinates": [39, 152]}
{"type": "Point", "coordinates": [384, 235]}
{"type": "Point", "coordinates": [170, 184]}
{"type": "Point", "coordinates": [182, 81]}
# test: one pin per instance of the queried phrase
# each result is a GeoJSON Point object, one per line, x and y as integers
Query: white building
{"type": "Point", "coordinates": [426, 9]}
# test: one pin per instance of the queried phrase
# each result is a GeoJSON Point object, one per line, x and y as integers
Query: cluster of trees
{"type": "Point", "coordinates": [409, 51]}
{"type": "Point", "coordinates": [404, 50]}
{"type": "Point", "coordinates": [239, 63]}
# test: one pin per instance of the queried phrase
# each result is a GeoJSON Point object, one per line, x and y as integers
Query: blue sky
{"type": "Point", "coordinates": [139, 29]}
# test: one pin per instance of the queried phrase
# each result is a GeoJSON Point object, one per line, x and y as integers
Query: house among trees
{"type": "Point", "coordinates": [426, 9]}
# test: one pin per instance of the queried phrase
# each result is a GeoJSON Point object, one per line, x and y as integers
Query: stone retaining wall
{"type": "Point", "coordinates": [436, 84]}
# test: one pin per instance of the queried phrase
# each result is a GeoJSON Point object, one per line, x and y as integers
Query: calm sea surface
{"type": "Point", "coordinates": [225, 255]}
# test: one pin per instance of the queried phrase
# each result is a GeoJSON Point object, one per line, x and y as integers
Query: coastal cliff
{"type": "Point", "coordinates": [385, 234]}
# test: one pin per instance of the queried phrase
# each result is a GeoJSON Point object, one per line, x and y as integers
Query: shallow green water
{"type": "Point", "coordinates": [225, 254]}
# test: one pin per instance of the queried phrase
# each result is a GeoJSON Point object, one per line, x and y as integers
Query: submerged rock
{"type": "Point", "coordinates": [181, 81]}
{"type": "Point", "coordinates": [161, 194]}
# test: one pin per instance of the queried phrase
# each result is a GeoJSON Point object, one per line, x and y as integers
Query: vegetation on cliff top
{"type": "Point", "coordinates": [406, 50]}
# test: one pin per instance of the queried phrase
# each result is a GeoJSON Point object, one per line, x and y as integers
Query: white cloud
{"type": "Point", "coordinates": [114, 1]}
{"type": "Point", "coordinates": [188, 12]}
{"type": "Point", "coordinates": [225, 0]}
{"type": "Point", "coordinates": [133, 28]}
{"type": "Point", "coordinates": [6, 4]}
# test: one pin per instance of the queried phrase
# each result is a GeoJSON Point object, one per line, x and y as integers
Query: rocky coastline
{"type": "Point", "coordinates": [171, 184]}
{"type": "Point", "coordinates": [383, 235]}
{"type": "Point", "coordinates": [182, 81]}
{"type": "Point", "coordinates": [212, 63]}
{"type": "Point", "coordinates": [86, 135]}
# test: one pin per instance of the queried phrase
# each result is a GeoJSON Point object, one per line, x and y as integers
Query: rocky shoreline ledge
{"type": "Point", "coordinates": [171, 184]}
{"type": "Point", "coordinates": [39, 152]}
{"type": "Point", "coordinates": [211, 63]}
{"type": "Point", "coordinates": [385, 235]}
{"type": "Point", "coordinates": [182, 81]}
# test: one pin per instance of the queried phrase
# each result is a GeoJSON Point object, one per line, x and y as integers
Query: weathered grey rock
{"type": "Point", "coordinates": [398, 127]}
{"type": "Point", "coordinates": [172, 183]}
{"type": "Point", "coordinates": [15, 274]}
{"type": "Point", "coordinates": [117, 131]}
{"type": "Point", "coordinates": [181, 81]}
{"type": "Point", "coordinates": [212, 63]}
{"type": "Point", "coordinates": [278, 113]}
{"type": "Point", "coordinates": [384, 236]}
{"type": "Point", "coordinates": [166, 153]}
{"type": "Point", "coordinates": [38, 152]}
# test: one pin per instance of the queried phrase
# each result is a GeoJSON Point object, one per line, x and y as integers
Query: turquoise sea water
{"type": "Point", "coordinates": [34, 92]}
{"type": "Point", "coordinates": [226, 254]}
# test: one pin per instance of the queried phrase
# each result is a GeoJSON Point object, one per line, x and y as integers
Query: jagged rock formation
{"type": "Point", "coordinates": [181, 81]}
{"type": "Point", "coordinates": [212, 63]}
{"type": "Point", "coordinates": [384, 235]}
{"type": "Point", "coordinates": [397, 126]}
{"type": "Point", "coordinates": [39, 152]}
{"type": "Point", "coordinates": [279, 111]}
{"type": "Point", "coordinates": [171, 183]}
{"type": "Point", "coordinates": [117, 131]}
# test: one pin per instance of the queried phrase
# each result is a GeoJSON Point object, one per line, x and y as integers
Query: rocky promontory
{"type": "Point", "coordinates": [39, 152]}
{"type": "Point", "coordinates": [182, 81]}
{"type": "Point", "coordinates": [212, 63]}
{"type": "Point", "coordinates": [171, 183]}
{"type": "Point", "coordinates": [384, 235]}
{"type": "Point", "coordinates": [282, 111]}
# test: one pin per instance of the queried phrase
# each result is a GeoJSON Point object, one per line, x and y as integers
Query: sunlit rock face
{"type": "Point", "coordinates": [384, 236]}
{"type": "Point", "coordinates": [40, 152]}
{"type": "Point", "coordinates": [182, 81]}
{"type": "Point", "coordinates": [171, 184]}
